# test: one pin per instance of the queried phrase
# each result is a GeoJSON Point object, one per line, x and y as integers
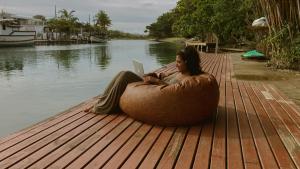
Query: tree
{"type": "Point", "coordinates": [102, 20]}
{"type": "Point", "coordinates": [162, 28]}
{"type": "Point", "coordinates": [65, 15]}
{"type": "Point", "coordinates": [102, 23]}
{"type": "Point", "coordinates": [65, 23]}
{"type": "Point", "coordinates": [190, 18]}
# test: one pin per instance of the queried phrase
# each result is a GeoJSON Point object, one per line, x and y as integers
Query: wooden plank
{"type": "Point", "coordinates": [218, 156]}
{"type": "Point", "coordinates": [90, 155]}
{"type": "Point", "coordinates": [121, 156]}
{"type": "Point", "coordinates": [158, 148]}
{"type": "Point", "coordinates": [173, 149]}
{"type": "Point", "coordinates": [291, 103]}
{"type": "Point", "coordinates": [250, 156]}
{"type": "Point", "coordinates": [125, 143]}
{"type": "Point", "coordinates": [208, 64]}
{"type": "Point", "coordinates": [219, 71]}
{"type": "Point", "coordinates": [90, 135]}
{"type": "Point", "coordinates": [141, 151]}
{"type": "Point", "coordinates": [213, 64]}
{"type": "Point", "coordinates": [17, 156]}
{"type": "Point", "coordinates": [43, 125]}
{"type": "Point", "coordinates": [292, 127]}
{"type": "Point", "coordinates": [72, 138]}
{"type": "Point", "coordinates": [189, 148]}
{"type": "Point", "coordinates": [218, 66]}
{"type": "Point", "coordinates": [268, 117]}
{"type": "Point", "coordinates": [284, 103]}
{"type": "Point", "coordinates": [40, 130]}
{"type": "Point", "coordinates": [265, 153]}
{"type": "Point", "coordinates": [203, 151]}
{"type": "Point", "coordinates": [91, 145]}
{"type": "Point", "coordinates": [12, 150]}
{"type": "Point", "coordinates": [234, 154]}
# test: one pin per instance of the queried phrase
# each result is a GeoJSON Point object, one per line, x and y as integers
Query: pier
{"type": "Point", "coordinates": [60, 42]}
{"type": "Point", "coordinates": [210, 43]}
{"type": "Point", "coordinates": [255, 126]}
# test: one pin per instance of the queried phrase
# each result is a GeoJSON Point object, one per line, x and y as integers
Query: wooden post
{"type": "Point", "coordinates": [217, 43]}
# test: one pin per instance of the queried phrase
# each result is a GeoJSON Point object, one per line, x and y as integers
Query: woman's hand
{"type": "Point", "coordinates": [162, 75]}
{"type": "Point", "coordinates": [150, 79]}
{"type": "Point", "coordinates": [151, 74]}
{"type": "Point", "coordinates": [153, 80]}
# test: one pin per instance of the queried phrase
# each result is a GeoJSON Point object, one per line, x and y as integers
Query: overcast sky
{"type": "Point", "coordinates": [126, 15]}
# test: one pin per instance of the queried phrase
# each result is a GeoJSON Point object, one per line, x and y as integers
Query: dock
{"type": "Point", "coordinates": [255, 126]}
{"type": "Point", "coordinates": [60, 42]}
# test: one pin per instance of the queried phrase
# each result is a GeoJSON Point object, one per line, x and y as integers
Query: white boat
{"type": "Point", "coordinates": [16, 31]}
{"type": "Point", "coordinates": [95, 39]}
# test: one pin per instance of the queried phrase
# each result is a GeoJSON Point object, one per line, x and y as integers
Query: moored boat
{"type": "Point", "coordinates": [16, 31]}
{"type": "Point", "coordinates": [95, 39]}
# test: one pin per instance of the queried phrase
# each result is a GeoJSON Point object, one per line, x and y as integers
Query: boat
{"type": "Point", "coordinates": [96, 39]}
{"type": "Point", "coordinates": [16, 31]}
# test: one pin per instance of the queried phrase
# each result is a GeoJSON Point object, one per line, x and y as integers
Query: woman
{"type": "Point", "coordinates": [187, 63]}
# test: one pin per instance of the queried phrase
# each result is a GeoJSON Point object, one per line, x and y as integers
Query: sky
{"type": "Point", "coordinates": [127, 15]}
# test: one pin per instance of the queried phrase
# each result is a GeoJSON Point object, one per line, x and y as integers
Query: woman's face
{"type": "Point", "coordinates": [180, 64]}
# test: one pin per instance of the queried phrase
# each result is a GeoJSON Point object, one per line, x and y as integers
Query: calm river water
{"type": "Point", "coordinates": [38, 82]}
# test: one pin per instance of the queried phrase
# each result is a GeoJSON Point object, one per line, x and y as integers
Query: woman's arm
{"type": "Point", "coordinates": [151, 74]}
{"type": "Point", "coordinates": [153, 80]}
{"type": "Point", "coordinates": [162, 75]}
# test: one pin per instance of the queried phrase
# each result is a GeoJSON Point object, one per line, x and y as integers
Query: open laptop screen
{"type": "Point", "coordinates": [138, 68]}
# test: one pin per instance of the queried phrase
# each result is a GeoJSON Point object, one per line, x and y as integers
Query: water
{"type": "Point", "coordinates": [38, 82]}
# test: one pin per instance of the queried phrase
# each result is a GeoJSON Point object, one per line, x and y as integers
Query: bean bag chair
{"type": "Point", "coordinates": [185, 103]}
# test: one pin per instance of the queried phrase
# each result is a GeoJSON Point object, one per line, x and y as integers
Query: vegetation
{"type": "Point", "coordinates": [284, 32]}
{"type": "Point", "coordinates": [163, 27]}
{"type": "Point", "coordinates": [102, 20]}
{"type": "Point", "coordinates": [102, 24]}
{"type": "Point", "coordinates": [194, 18]}
{"type": "Point", "coordinates": [231, 22]}
{"type": "Point", "coordinates": [66, 24]}
{"type": "Point", "coordinates": [115, 34]}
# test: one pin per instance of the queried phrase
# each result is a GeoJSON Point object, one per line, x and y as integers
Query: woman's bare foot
{"type": "Point", "coordinates": [89, 109]}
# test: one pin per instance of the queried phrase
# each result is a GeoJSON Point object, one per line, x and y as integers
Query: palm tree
{"type": "Point", "coordinates": [64, 14]}
{"type": "Point", "coordinates": [67, 22]}
{"type": "Point", "coordinates": [102, 20]}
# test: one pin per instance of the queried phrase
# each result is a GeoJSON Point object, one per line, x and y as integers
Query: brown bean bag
{"type": "Point", "coordinates": [185, 103]}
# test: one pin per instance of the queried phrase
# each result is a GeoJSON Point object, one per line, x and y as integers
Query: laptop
{"type": "Point", "coordinates": [138, 68]}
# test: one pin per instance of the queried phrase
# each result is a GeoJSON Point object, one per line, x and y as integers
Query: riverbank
{"type": "Point", "coordinates": [176, 40]}
{"type": "Point", "coordinates": [285, 80]}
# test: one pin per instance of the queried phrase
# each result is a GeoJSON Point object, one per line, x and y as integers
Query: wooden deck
{"type": "Point", "coordinates": [255, 126]}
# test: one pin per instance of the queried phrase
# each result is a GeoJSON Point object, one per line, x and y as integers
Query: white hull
{"type": "Point", "coordinates": [17, 40]}
{"type": "Point", "coordinates": [97, 40]}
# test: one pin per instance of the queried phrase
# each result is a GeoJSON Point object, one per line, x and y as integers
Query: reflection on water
{"type": "Point", "coordinates": [11, 63]}
{"type": "Point", "coordinates": [66, 58]}
{"type": "Point", "coordinates": [163, 52]}
{"type": "Point", "coordinates": [38, 82]}
{"type": "Point", "coordinates": [103, 56]}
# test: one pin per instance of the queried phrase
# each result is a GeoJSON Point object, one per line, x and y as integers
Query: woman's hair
{"type": "Point", "coordinates": [191, 57]}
